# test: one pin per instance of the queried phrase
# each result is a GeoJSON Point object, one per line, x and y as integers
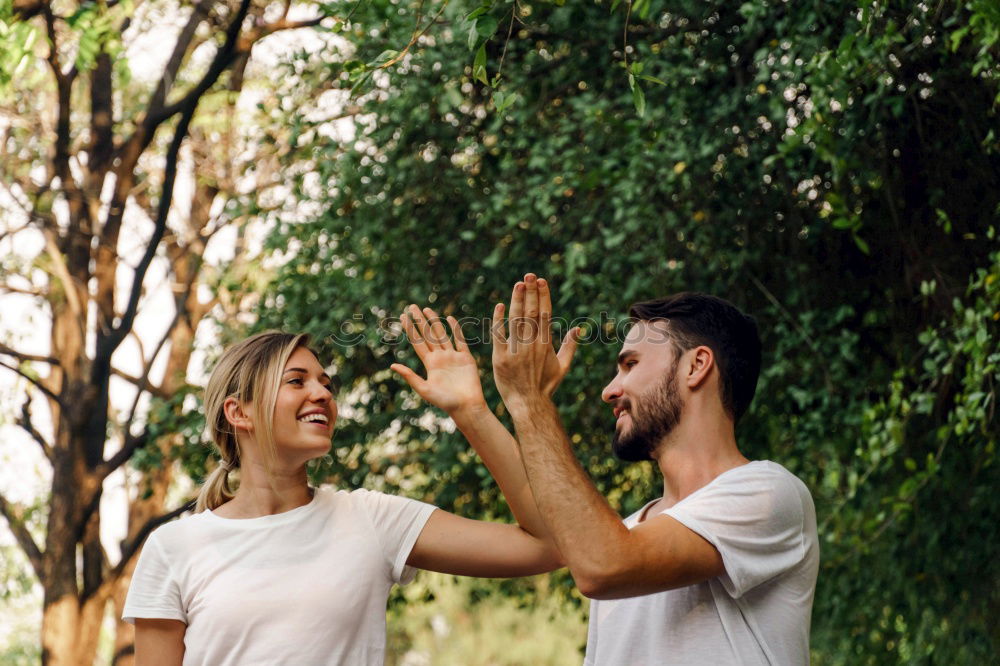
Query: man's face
{"type": "Point", "coordinates": [644, 393]}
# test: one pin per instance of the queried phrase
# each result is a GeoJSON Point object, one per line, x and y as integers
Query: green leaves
{"type": "Point", "coordinates": [757, 154]}
{"type": "Point", "coordinates": [17, 43]}
{"type": "Point", "coordinates": [479, 65]}
{"type": "Point", "coordinates": [482, 27]}
{"type": "Point", "coordinates": [503, 101]}
{"type": "Point", "coordinates": [638, 96]}
{"type": "Point", "coordinates": [97, 27]}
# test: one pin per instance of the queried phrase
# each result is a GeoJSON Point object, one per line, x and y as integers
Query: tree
{"type": "Point", "coordinates": [831, 167]}
{"type": "Point", "coordinates": [92, 159]}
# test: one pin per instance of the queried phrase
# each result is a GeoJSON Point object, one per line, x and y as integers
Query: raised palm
{"type": "Point", "coordinates": [452, 381]}
{"type": "Point", "coordinates": [529, 326]}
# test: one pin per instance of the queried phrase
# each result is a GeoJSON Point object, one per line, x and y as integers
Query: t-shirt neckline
{"type": "Point", "coordinates": [641, 517]}
{"type": "Point", "coordinates": [271, 519]}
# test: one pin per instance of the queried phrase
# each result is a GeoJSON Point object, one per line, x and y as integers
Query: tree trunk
{"type": "Point", "coordinates": [70, 633]}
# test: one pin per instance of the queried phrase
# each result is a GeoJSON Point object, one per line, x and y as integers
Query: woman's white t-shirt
{"type": "Point", "coordinates": [307, 586]}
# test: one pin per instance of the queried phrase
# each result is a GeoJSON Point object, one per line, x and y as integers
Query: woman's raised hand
{"type": "Point", "coordinates": [452, 382]}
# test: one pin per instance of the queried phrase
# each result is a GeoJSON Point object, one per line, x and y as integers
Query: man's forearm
{"type": "Point", "coordinates": [585, 528]}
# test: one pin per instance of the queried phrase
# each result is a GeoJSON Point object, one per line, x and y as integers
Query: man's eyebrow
{"type": "Point", "coordinates": [626, 355]}
{"type": "Point", "coordinates": [304, 371]}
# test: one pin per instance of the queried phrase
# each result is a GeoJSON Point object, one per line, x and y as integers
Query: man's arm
{"type": "Point", "coordinates": [607, 559]}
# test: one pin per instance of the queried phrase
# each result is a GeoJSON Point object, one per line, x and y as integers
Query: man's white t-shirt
{"type": "Point", "coordinates": [761, 519]}
{"type": "Point", "coordinates": [307, 586]}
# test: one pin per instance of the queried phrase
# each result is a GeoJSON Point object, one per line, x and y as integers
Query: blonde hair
{"type": "Point", "coordinates": [249, 371]}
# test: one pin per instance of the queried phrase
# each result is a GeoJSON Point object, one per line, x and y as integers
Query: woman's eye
{"type": "Point", "coordinates": [295, 381]}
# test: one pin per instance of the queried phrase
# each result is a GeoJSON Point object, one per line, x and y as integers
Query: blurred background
{"type": "Point", "coordinates": [176, 175]}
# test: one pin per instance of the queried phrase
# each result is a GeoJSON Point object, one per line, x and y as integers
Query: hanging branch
{"type": "Point", "coordinates": [15, 519]}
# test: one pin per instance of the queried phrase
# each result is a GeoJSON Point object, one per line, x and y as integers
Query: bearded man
{"type": "Point", "coordinates": [722, 568]}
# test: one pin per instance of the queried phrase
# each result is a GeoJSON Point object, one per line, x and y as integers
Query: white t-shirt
{"type": "Point", "coordinates": [761, 519]}
{"type": "Point", "coordinates": [307, 586]}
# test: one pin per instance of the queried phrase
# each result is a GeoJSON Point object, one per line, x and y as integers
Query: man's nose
{"type": "Point", "coordinates": [612, 391]}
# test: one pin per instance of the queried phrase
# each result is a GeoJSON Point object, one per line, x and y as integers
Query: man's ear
{"type": "Point", "coordinates": [699, 366]}
{"type": "Point", "coordinates": [236, 415]}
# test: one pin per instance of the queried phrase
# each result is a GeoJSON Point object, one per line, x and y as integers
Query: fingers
{"type": "Point", "coordinates": [530, 296]}
{"type": "Point", "coordinates": [413, 334]}
{"type": "Point", "coordinates": [415, 381]}
{"type": "Point", "coordinates": [544, 298]}
{"type": "Point", "coordinates": [515, 317]}
{"type": "Point", "coordinates": [497, 327]}
{"type": "Point", "coordinates": [438, 336]}
{"type": "Point", "coordinates": [456, 331]}
{"type": "Point", "coordinates": [528, 325]}
{"type": "Point", "coordinates": [567, 349]}
{"type": "Point", "coordinates": [429, 328]}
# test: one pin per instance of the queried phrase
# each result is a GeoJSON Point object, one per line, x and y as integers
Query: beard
{"type": "Point", "coordinates": [652, 417]}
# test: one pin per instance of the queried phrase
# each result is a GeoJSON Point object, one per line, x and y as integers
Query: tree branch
{"type": "Point", "coordinates": [128, 152]}
{"type": "Point", "coordinates": [188, 105]}
{"type": "Point", "coordinates": [222, 59]}
{"type": "Point", "coordinates": [21, 356]}
{"type": "Point", "coordinates": [130, 548]}
{"type": "Point", "coordinates": [199, 14]}
{"type": "Point", "coordinates": [262, 31]}
{"type": "Point", "coordinates": [129, 446]}
{"type": "Point", "coordinates": [62, 273]}
{"type": "Point", "coordinates": [15, 519]}
{"type": "Point", "coordinates": [142, 383]}
{"type": "Point", "coordinates": [127, 427]}
{"type": "Point", "coordinates": [38, 384]}
{"type": "Point", "coordinates": [10, 289]}
{"type": "Point", "coordinates": [24, 421]}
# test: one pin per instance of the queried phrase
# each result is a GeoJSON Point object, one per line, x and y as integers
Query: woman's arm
{"type": "Point", "coordinates": [453, 385]}
{"type": "Point", "coordinates": [159, 642]}
{"type": "Point", "coordinates": [455, 545]}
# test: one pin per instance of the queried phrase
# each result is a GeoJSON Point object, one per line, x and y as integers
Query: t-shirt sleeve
{"type": "Point", "coordinates": [153, 592]}
{"type": "Point", "coordinates": [398, 522]}
{"type": "Point", "coordinates": [755, 521]}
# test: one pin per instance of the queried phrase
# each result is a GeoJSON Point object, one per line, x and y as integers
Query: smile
{"type": "Point", "coordinates": [314, 418]}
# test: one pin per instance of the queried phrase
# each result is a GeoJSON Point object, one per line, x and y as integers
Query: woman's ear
{"type": "Point", "coordinates": [236, 415]}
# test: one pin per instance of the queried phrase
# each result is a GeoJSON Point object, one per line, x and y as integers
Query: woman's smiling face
{"type": "Point", "coordinates": [304, 411]}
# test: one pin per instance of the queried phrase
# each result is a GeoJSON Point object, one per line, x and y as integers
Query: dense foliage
{"type": "Point", "coordinates": [831, 167]}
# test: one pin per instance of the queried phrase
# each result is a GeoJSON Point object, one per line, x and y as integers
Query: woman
{"type": "Point", "coordinates": [277, 572]}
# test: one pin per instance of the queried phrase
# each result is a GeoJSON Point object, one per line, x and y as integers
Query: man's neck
{"type": "Point", "coordinates": [694, 453]}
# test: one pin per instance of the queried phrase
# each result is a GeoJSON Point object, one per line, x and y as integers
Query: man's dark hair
{"type": "Point", "coordinates": [695, 319]}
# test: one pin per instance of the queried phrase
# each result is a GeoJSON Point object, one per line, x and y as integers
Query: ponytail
{"type": "Point", "coordinates": [216, 490]}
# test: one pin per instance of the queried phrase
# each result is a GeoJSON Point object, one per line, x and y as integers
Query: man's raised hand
{"type": "Point", "coordinates": [452, 377]}
{"type": "Point", "coordinates": [525, 364]}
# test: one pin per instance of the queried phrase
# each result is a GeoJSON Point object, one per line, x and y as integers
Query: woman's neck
{"type": "Point", "coordinates": [265, 494]}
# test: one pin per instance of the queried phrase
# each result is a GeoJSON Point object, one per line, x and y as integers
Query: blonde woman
{"type": "Point", "coordinates": [278, 572]}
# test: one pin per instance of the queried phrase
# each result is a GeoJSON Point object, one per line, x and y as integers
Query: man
{"type": "Point", "coordinates": [722, 568]}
